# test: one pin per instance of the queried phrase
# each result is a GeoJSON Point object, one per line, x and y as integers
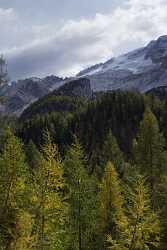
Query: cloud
{"type": "Point", "coordinates": [64, 50]}
{"type": "Point", "coordinates": [7, 17]}
{"type": "Point", "coordinates": [7, 14]}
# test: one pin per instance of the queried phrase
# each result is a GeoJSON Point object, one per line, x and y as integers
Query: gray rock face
{"type": "Point", "coordinates": [23, 93]}
{"type": "Point", "coordinates": [157, 50]}
{"type": "Point", "coordinates": [78, 87]}
{"type": "Point", "coordinates": [160, 92]}
{"type": "Point", "coordinates": [19, 95]}
{"type": "Point", "coordinates": [142, 69]}
{"type": "Point", "coordinates": [69, 102]}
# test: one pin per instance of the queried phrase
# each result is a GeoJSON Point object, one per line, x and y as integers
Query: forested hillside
{"type": "Point", "coordinates": [80, 174]}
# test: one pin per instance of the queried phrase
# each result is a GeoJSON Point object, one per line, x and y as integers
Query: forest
{"type": "Point", "coordinates": [78, 174]}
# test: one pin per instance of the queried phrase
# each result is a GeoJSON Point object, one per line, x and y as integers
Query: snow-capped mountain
{"type": "Point", "coordinates": [141, 69]}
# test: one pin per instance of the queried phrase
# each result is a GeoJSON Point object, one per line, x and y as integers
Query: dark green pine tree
{"type": "Point", "coordinates": [33, 155]}
{"type": "Point", "coordinates": [111, 152]}
{"type": "Point", "coordinates": [82, 200]}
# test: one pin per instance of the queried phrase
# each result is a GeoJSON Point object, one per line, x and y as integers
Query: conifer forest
{"type": "Point", "coordinates": [77, 181]}
{"type": "Point", "coordinates": [83, 124]}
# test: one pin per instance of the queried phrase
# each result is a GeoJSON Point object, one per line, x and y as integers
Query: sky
{"type": "Point", "coordinates": [62, 37]}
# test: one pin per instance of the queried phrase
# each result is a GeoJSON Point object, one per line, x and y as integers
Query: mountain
{"type": "Point", "coordinates": [160, 92]}
{"type": "Point", "coordinates": [68, 98]}
{"type": "Point", "coordinates": [78, 87]}
{"type": "Point", "coordinates": [141, 69]}
{"type": "Point", "coordinates": [19, 95]}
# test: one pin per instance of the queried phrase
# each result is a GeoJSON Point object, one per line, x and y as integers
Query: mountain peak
{"type": "Point", "coordinates": [141, 69]}
{"type": "Point", "coordinates": [157, 50]}
{"type": "Point", "coordinates": [162, 39]}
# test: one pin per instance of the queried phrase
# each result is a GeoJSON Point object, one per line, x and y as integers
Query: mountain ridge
{"type": "Point", "coordinates": [142, 69]}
